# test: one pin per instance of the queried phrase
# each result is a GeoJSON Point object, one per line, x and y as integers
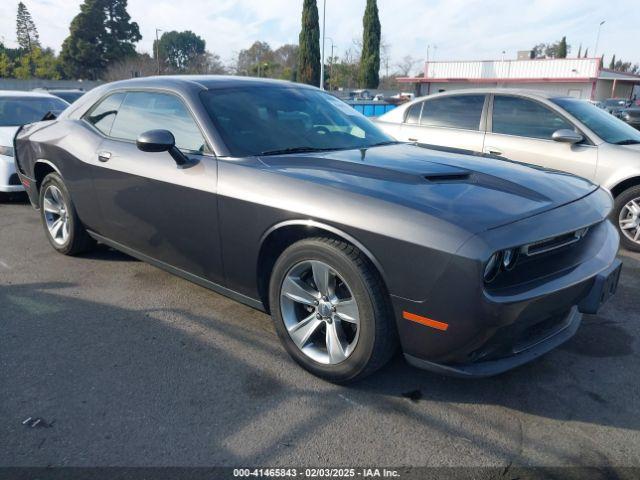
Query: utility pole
{"type": "Point", "coordinates": [324, 24]}
{"type": "Point", "coordinates": [598, 37]}
{"type": "Point", "coordinates": [158, 49]}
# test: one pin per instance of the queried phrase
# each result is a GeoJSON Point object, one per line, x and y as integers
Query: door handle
{"type": "Point", "coordinates": [493, 152]}
{"type": "Point", "coordinates": [412, 139]}
{"type": "Point", "coordinates": [104, 156]}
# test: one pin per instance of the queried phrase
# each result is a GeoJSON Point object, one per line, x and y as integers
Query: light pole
{"type": "Point", "coordinates": [158, 49]}
{"type": "Point", "coordinates": [598, 37]}
{"type": "Point", "coordinates": [324, 22]}
{"type": "Point", "coordinates": [330, 62]}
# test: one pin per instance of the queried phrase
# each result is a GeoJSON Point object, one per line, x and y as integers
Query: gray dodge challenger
{"type": "Point", "coordinates": [284, 198]}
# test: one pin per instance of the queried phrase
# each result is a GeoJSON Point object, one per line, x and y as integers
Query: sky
{"type": "Point", "coordinates": [453, 29]}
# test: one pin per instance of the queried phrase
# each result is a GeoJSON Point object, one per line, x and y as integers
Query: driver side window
{"type": "Point", "coordinates": [143, 111]}
{"type": "Point", "coordinates": [525, 118]}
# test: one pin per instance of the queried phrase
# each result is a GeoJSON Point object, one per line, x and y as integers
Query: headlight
{"type": "Point", "coordinates": [493, 266]}
{"type": "Point", "coordinates": [626, 116]}
{"type": "Point", "coordinates": [7, 151]}
{"type": "Point", "coordinates": [503, 260]}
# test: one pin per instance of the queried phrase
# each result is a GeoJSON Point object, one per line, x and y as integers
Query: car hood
{"type": "Point", "coordinates": [476, 192]}
{"type": "Point", "coordinates": [6, 136]}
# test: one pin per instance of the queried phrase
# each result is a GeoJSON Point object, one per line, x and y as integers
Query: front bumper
{"type": "Point", "coordinates": [465, 328]}
{"type": "Point", "coordinates": [8, 179]}
{"type": "Point", "coordinates": [521, 344]}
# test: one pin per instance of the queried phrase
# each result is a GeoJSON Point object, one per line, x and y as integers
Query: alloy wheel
{"type": "Point", "coordinates": [629, 220]}
{"type": "Point", "coordinates": [56, 215]}
{"type": "Point", "coordinates": [320, 312]}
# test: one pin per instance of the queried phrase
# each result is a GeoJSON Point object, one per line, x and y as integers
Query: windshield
{"type": "Point", "coordinates": [603, 124]}
{"type": "Point", "coordinates": [615, 102]}
{"type": "Point", "coordinates": [16, 111]}
{"type": "Point", "coordinates": [69, 96]}
{"type": "Point", "coordinates": [269, 120]}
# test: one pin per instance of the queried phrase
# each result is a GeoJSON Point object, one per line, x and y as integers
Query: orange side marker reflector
{"type": "Point", "coordinates": [425, 321]}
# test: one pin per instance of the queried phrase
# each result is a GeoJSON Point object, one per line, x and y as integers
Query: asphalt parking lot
{"type": "Point", "coordinates": [129, 366]}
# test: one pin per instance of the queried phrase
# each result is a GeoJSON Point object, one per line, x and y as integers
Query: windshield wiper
{"type": "Point", "coordinates": [284, 151]}
{"type": "Point", "coordinates": [627, 142]}
{"type": "Point", "coordinates": [382, 144]}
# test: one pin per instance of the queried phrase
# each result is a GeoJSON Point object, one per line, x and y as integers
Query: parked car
{"type": "Point", "coordinates": [630, 115]}
{"type": "Point", "coordinates": [614, 105]}
{"type": "Point", "coordinates": [68, 95]}
{"type": "Point", "coordinates": [18, 108]}
{"type": "Point", "coordinates": [283, 197]}
{"type": "Point", "coordinates": [559, 133]}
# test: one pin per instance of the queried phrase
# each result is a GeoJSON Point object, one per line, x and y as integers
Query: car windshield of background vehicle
{"type": "Point", "coordinates": [16, 111]}
{"type": "Point", "coordinates": [258, 120]}
{"type": "Point", "coordinates": [603, 124]}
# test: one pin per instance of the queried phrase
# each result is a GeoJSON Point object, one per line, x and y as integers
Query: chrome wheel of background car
{"type": "Point", "coordinates": [319, 312]}
{"type": "Point", "coordinates": [56, 215]}
{"type": "Point", "coordinates": [629, 220]}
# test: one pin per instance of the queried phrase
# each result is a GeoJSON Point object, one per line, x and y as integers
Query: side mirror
{"type": "Point", "coordinates": [566, 135]}
{"type": "Point", "coordinates": [155, 141]}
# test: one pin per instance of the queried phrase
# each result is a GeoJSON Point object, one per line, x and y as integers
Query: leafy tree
{"type": "Point", "coordinates": [120, 33]}
{"type": "Point", "coordinates": [82, 53]}
{"type": "Point", "coordinates": [6, 65]}
{"type": "Point", "coordinates": [102, 33]}
{"type": "Point", "coordinates": [370, 59]}
{"type": "Point", "coordinates": [179, 50]}
{"type": "Point", "coordinates": [558, 49]}
{"type": "Point", "coordinates": [612, 64]}
{"type": "Point", "coordinates": [37, 64]}
{"type": "Point", "coordinates": [26, 31]}
{"type": "Point", "coordinates": [406, 65]}
{"type": "Point", "coordinates": [309, 42]}
{"type": "Point", "coordinates": [248, 59]}
{"type": "Point", "coordinates": [286, 57]}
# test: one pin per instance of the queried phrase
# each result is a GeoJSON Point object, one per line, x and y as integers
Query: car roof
{"type": "Point", "coordinates": [204, 82]}
{"type": "Point", "coordinates": [503, 91]}
{"type": "Point", "coordinates": [21, 93]}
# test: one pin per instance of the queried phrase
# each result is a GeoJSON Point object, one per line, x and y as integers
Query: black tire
{"type": "Point", "coordinates": [619, 204]}
{"type": "Point", "coordinates": [78, 240]}
{"type": "Point", "coordinates": [377, 339]}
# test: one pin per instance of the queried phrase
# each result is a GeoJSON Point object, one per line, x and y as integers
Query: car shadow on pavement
{"type": "Point", "coordinates": [158, 385]}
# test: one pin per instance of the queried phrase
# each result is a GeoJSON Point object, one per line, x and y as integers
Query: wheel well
{"type": "Point", "coordinates": [41, 170]}
{"type": "Point", "coordinates": [277, 242]}
{"type": "Point", "coordinates": [622, 186]}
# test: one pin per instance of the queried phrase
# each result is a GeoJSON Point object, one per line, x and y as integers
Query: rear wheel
{"type": "Point", "coordinates": [62, 226]}
{"type": "Point", "coordinates": [331, 310]}
{"type": "Point", "coordinates": [626, 215]}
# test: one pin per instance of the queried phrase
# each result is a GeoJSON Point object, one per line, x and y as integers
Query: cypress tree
{"type": "Point", "coordinates": [309, 42]}
{"type": "Point", "coordinates": [370, 58]}
{"type": "Point", "coordinates": [579, 51]}
{"type": "Point", "coordinates": [26, 31]}
{"type": "Point", "coordinates": [612, 64]}
{"type": "Point", "coordinates": [562, 48]}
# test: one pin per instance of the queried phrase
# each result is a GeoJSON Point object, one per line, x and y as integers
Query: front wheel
{"type": "Point", "coordinates": [63, 228]}
{"type": "Point", "coordinates": [626, 215]}
{"type": "Point", "coordinates": [331, 310]}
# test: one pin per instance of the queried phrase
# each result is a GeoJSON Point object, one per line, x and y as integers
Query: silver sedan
{"type": "Point", "coordinates": [555, 132]}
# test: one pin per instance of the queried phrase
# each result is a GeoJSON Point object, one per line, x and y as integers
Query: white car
{"type": "Point", "coordinates": [16, 109]}
{"type": "Point", "coordinates": [560, 133]}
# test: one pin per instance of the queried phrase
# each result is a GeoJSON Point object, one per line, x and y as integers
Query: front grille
{"type": "Point", "coordinates": [14, 180]}
{"type": "Point", "coordinates": [554, 243]}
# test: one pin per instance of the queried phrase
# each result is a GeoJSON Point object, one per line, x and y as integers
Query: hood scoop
{"type": "Point", "coordinates": [448, 177]}
{"type": "Point", "coordinates": [485, 181]}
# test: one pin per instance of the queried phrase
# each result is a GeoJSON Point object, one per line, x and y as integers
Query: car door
{"type": "Point", "coordinates": [521, 129]}
{"type": "Point", "coordinates": [148, 203]}
{"type": "Point", "coordinates": [454, 121]}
